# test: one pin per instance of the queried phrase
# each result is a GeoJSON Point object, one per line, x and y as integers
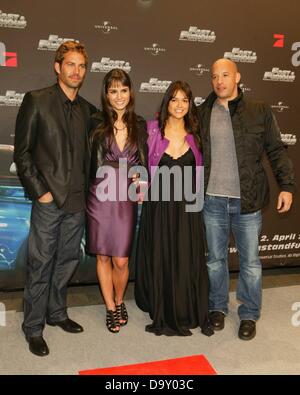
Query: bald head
{"type": "Point", "coordinates": [225, 78]}
{"type": "Point", "coordinates": [225, 63]}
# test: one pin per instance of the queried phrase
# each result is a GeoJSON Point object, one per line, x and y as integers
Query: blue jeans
{"type": "Point", "coordinates": [222, 215]}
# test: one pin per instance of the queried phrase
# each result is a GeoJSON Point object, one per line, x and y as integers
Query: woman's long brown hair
{"type": "Point", "coordinates": [104, 133]}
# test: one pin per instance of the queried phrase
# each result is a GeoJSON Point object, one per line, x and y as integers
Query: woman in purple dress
{"type": "Point", "coordinates": [119, 135]}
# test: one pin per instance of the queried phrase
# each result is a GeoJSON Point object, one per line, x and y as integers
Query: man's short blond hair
{"type": "Point", "coordinates": [70, 46]}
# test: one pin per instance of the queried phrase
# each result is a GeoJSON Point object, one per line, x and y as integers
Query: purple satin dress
{"type": "Point", "coordinates": [111, 224]}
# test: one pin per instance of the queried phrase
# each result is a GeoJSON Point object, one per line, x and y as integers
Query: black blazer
{"type": "Point", "coordinates": [42, 147]}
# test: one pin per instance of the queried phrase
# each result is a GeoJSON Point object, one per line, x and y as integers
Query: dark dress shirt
{"type": "Point", "coordinates": [76, 132]}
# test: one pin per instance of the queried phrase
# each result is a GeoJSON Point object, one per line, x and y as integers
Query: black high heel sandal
{"type": "Point", "coordinates": [122, 313]}
{"type": "Point", "coordinates": [112, 322]}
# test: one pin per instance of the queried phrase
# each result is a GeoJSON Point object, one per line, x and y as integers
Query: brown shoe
{"type": "Point", "coordinates": [217, 320]}
{"type": "Point", "coordinates": [247, 330]}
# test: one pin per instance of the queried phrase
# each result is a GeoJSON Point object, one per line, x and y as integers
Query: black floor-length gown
{"type": "Point", "coordinates": [171, 281]}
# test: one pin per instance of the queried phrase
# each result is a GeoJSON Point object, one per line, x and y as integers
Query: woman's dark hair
{"type": "Point", "coordinates": [191, 122]}
{"type": "Point", "coordinates": [105, 131]}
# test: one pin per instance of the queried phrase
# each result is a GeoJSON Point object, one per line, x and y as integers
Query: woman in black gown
{"type": "Point", "coordinates": [171, 275]}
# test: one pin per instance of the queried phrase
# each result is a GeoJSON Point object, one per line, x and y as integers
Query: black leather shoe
{"type": "Point", "coordinates": [67, 325]}
{"type": "Point", "coordinates": [207, 329]}
{"type": "Point", "coordinates": [247, 330]}
{"type": "Point", "coordinates": [217, 320]}
{"type": "Point", "coordinates": [38, 346]}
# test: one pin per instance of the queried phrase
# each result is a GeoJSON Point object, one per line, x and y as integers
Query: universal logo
{"type": "Point", "coordinates": [2, 314]}
{"type": "Point", "coordinates": [195, 34]}
{"type": "Point", "coordinates": [244, 87]}
{"type": "Point", "coordinates": [279, 75]}
{"type": "Point", "coordinates": [155, 49]}
{"type": "Point", "coordinates": [108, 64]}
{"type": "Point", "coordinates": [155, 86]}
{"type": "Point", "coordinates": [288, 138]}
{"type": "Point", "coordinates": [199, 69]}
{"type": "Point", "coordinates": [280, 107]}
{"type": "Point", "coordinates": [239, 55]}
{"type": "Point", "coordinates": [106, 27]}
{"type": "Point", "coordinates": [7, 59]}
{"type": "Point", "coordinates": [14, 21]}
{"type": "Point", "coordinates": [11, 98]}
{"type": "Point", "coordinates": [198, 100]}
{"type": "Point", "coordinates": [144, 3]}
{"type": "Point", "coordinates": [52, 43]}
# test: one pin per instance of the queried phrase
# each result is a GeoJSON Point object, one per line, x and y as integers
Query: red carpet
{"type": "Point", "coordinates": [192, 365]}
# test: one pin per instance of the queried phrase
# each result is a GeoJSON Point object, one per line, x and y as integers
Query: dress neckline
{"type": "Point", "coordinates": [118, 147]}
{"type": "Point", "coordinates": [178, 156]}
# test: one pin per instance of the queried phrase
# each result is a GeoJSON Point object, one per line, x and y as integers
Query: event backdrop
{"type": "Point", "coordinates": [156, 41]}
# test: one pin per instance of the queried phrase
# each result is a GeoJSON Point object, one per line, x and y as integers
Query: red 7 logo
{"type": "Point", "coordinates": [279, 43]}
{"type": "Point", "coordinates": [11, 59]}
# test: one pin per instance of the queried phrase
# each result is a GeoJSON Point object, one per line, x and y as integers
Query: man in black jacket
{"type": "Point", "coordinates": [52, 157]}
{"type": "Point", "coordinates": [235, 134]}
